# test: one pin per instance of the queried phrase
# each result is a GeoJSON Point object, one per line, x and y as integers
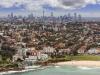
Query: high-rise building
{"type": "Point", "coordinates": [30, 16]}
{"type": "Point", "coordinates": [12, 15]}
{"type": "Point", "coordinates": [52, 14]}
{"type": "Point", "coordinates": [43, 13]}
{"type": "Point", "coordinates": [43, 16]}
{"type": "Point", "coordinates": [52, 17]}
{"type": "Point", "coordinates": [79, 18]}
{"type": "Point", "coordinates": [75, 17]}
{"type": "Point", "coordinates": [69, 15]}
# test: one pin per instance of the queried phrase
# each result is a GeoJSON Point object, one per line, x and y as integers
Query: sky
{"type": "Point", "coordinates": [88, 8]}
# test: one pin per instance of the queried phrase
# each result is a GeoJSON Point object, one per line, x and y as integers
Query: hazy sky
{"type": "Point", "coordinates": [89, 8]}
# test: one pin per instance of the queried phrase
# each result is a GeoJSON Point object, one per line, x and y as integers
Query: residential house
{"type": "Point", "coordinates": [82, 50]}
{"type": "Point", "coordinates": [94, 51]}
{"type": "Point", "coordinates": [48, 50]}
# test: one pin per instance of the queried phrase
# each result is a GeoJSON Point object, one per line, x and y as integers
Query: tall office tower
{"type": "Point", "coordinates": [30, 16]}
{"type": "Point", "coordinates": [12, 15]}
{"type": "Point", "coordinates": [52, 17]}
{"type": "Point", "coordinates": [43, 16]}
{"type": "Point", "coordinates": [69, 15]}
{"type": "Point", "coordinates": [43, 13]}
{"type": "Point", "coordinates": [52, 20]}
{"type": "Point", "coordinates": [8, 16]}
{"type": "Point", "coordinates": [62, 19]}
{"type": "Point", "coordinates": [52, 14]}
{"type": "Point", "coordinates": [75, 17]}
{"type": "Point", "coordinates": [43, 20]}
{"type": "Point", "coordinates": [79, 18]}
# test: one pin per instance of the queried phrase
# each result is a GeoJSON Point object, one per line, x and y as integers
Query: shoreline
{"type": "Point", "coordinates": [67, 63]}
{"type": "Point", "coordinates": [79, 63]}
{"type": "Point", "coordinates": [27, 69]}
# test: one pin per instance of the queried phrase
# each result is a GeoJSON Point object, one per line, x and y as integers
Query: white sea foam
{"type": "Point", "coordinates": [85, 68]}
{"type": "Point", "coordinates": [28, 68]}
{"type": "Point", "coordinates": [10, 72]}
{"type": "Point", "coordinates": [31, 67]}
{"type": "Point", "coordinates": [57, 66]}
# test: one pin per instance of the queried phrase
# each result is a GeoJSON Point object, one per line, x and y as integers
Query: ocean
{"type": "Point", "coordinates": [63, 70]}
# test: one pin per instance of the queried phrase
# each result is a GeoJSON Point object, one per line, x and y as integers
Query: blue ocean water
{"type": "Point", "coordinates": [63, 70]}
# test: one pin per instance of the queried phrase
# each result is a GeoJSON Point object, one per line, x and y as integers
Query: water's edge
{"type": "Point", "coordinates": [34, 68]}
{"type": "Point", "coordinates": [31, 68]}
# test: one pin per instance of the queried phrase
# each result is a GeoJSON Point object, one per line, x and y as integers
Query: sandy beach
{"type": "Point", "coordinates": [80, 63]}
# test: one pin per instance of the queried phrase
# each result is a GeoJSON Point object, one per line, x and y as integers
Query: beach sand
{"type": "Point", "coordinates": [80, 63]}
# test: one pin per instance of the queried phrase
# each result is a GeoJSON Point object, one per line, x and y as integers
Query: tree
{"type": "Point", "coordinates": [7, 51]}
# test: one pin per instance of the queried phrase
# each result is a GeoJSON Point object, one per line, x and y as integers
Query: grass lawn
{"type": "Point", "coordinates": [84, 57]}
{"type": "Point", "coordinates": [78, 58]}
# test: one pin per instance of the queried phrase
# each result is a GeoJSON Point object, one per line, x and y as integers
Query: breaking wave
{"type": "Point", "coordinates": [26, 70]}
{"type": "Point", "coordinates": [87, 68]}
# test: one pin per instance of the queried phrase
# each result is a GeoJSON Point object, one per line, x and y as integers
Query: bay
{"type": "Point", "coordinates": [63, 70]}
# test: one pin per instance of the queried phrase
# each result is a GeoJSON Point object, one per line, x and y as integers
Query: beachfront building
{"type": "Point", "coordinates": [64, 51]}
{"type": "Point", "coordinates": [33, 56]}
{"type": "Point", "coordinates": [41, 56]}
{"type": "Point", "coordinates": [48, 50]}
{"type": "Point", "coordinates": [22, 51]}
{"type": "Point", "coordinates": [82, 50]}
{"type": "Point", "coordinates": [30, 60]}
{"type": "Point", "coordinates": [16, 57]}
{"type": "Point", "coordinates": [94, 51]}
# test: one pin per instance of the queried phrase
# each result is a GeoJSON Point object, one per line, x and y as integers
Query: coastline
{"type": "Point", "coordinates": [79, 63]}
{"type": "Point", "coordinates": [27, 69]}
{"type": "Point", "coordinates": [67, 63]}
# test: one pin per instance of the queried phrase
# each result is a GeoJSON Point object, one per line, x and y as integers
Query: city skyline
{"type": "Point", "coordinates": [88, 8]}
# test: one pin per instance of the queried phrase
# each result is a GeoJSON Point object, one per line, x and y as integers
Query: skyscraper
{"type": "Point", "coordinates": [69, 15]}
{"type": "Point", "coordinates": [43, 16]}
{"type": "Point", "coordinates": [79, 18]}
{"type": "Point", "coordinates": [75, 17]}
{"type": "Point", "coordinates": [12, 15]}
{"type": "Point", "coordinates": [52, 17]}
